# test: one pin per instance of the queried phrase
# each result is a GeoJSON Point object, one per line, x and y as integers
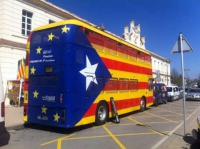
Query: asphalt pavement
{"type": "Point", "coordinates": [174, 140]}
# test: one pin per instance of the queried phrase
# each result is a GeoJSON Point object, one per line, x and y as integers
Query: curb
{"type": "Point", "coordinates": [15, 127]}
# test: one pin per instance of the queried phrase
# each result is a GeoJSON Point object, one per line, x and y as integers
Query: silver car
{"type": "Point", "coordinates": [193, 94]}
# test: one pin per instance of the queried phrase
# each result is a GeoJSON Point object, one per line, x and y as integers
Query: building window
{"type": "Point", "coordinates": [26, 22]}
{"type": "Point", "coordinates": [51, 21]}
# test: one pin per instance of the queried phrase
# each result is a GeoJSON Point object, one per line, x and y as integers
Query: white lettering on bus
{"type": "Point", "coordinates": [36, 61]}
{"type": "Point", "coordinates": [49, 98]}
{"type": "Point", "coordinates": [47, 51]}
{"type": "Point", "coordinates": [47, 56]}
{"type": "Point", "coordinates": [42, 117]}
{"type": "Point", "coordinates": [49, 60]}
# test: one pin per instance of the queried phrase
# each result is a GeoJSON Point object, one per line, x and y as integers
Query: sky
{"type": "Point", "coordinates": [161, 22]}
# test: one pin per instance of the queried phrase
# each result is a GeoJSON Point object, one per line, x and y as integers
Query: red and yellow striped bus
{"type": "Point", "coordinates": [74, 68]}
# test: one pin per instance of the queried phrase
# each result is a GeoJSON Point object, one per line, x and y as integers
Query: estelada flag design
{"type": "Point", "coordinates": [21, 72]}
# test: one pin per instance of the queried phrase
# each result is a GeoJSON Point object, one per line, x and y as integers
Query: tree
{"type": "Point", "coordinates": [176, 77]}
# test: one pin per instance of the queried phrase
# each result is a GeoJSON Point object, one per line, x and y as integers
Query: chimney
{"type": "Point", "coordinates": [126, 29]}
{"type": "Point", "coordinates": [126, 32]}
{"type": "Point", "coordinates": [138, 27]}
{"type": "Point", "coordinates": [143, 40]}
{"type": "Point", "coordinates": [131, 25]}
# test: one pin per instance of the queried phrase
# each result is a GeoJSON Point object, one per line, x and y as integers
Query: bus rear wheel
{"type": "Point", "coordinates": [142, 105]}
{"type": "Point", "coordinates": [101, 113]}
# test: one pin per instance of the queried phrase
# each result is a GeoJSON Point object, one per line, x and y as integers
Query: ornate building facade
{"type": "Point", "coordinates": [160, 65]}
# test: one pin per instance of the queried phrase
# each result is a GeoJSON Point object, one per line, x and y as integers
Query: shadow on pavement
{"type": "Point", "coordinates": [4, 138]}
{"type": "Point", "coordinates": [57, 129]}
{"type": "Point", "coordinates": [190, 140]}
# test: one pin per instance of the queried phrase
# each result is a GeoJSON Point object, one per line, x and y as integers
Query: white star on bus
{"type": "Point", "coordinates": [89, 72]}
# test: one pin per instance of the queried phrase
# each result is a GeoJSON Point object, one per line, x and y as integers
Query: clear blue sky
{"type": "Point", "coordinates": [161, 21]}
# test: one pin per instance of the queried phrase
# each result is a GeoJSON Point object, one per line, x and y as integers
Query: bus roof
{"type": "Point", "coordinates": [91, 27]}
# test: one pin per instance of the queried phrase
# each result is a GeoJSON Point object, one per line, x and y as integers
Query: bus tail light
{"type": "Point", "coordinates": [2, 109]}
{"type": "Point", "coordinates": [63, 116]}
{"type": "Point", "coordinates": [25, 110]}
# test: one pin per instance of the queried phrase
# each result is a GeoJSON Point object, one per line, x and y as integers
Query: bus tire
{"type": "Point", "coordinates": [101, 115]}
{"type": "Point", "coordinates": [142, 105]}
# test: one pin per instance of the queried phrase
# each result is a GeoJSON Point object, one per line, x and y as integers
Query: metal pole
{"type": "Point", "coordinates": [182, 65]}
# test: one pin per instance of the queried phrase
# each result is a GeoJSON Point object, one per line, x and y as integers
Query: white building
{"type": "Point", "coordinates": [160, 65]}
{"type": "Point", "coordinates": [19, 17]}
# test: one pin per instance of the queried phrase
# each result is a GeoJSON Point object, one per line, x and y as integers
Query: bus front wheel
{"type": "Point", "coordinates": [142, 105]}
{"type": "Point", "coordinates": [101, 113]}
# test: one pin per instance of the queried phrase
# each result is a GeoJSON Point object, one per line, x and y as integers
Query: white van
{"type": "Point", "coordinates": [173, 92]}
{"type": "Point", "coordinates": [3, 132]}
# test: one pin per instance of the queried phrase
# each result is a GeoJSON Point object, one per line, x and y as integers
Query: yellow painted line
{"type": "Point", "coordinates": [161, 117]}
{"type": "Point", "coordinates": [143, 122]}
{"type": "Point", "coordinates": [179, 108]}
{"type": "Point", "coordinates": [146, 126]}
{"type": "Point", "coordinates": [136, 134]}
{"type": "Point", "coordinates": [59, 144]}
{"type": "Point", "coordinates": [114, 138]}
{"type": "Point", "coordinates": [142, 116]}
{"type": "Point", "coordinates": [57, 139]}
{"type": "Point", "coordinates": [170, 111]}
{"type": "Point", "coordinates": [173, 115]}
{"type": "Point", "coordinates": [89, 137]}
{"type": "Point", "coordinates": [108, 136]}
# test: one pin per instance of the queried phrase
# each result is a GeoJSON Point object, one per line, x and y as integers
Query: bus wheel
{"type": "Point", "coordinates": [101, 113]}
{"type": "Point", "coordinates": [142, 105]}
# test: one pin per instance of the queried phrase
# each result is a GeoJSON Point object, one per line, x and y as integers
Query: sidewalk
{"type": "Point", "coordinates": [14, 117]}
{"type": "Point", "coordinates": [176, 140]}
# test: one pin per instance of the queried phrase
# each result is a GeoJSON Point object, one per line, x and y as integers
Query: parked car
{"type": "Point", "coordinates": [173, 92]}
{"type": "Point", "coordinates": [193, 94]}
{"type": "Point", "coordinates": [159, 93]}
{"type": "Point", "coordinates": [180, 92]}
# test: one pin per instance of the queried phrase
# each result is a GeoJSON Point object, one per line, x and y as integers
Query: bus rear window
{"type": "Point", "coordinates": [48, 36]}
{"type": "Point", "coordinates": [41, 81]}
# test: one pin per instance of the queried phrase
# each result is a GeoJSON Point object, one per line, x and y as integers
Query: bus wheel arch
{"type": "Point", "coordinates": [143, 104]}
{"type": "Point", "coordinates": [101, 114]}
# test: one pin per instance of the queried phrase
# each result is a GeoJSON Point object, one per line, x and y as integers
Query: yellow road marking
{"type": "Point", "coordinates": [161, 117]}
{"type": "Point", "coordinates": [143, 116]}
{"type": "Point", "coordinates": [144, 123]}
{"type": "Point", "coordinates": [170, 111]}
{"type": "Point", "coordinates": [146, 126]}
{"type": "Point", "coordinates": [59, 144]}
{"type": "Point", "coordinates": [56, 140]}
{"type": "Point", "coordinates": [114, 138]}
{"type": "Point", "coordinates": [90, 137]}
{"type": "Point", "coordinates": [118, 135]}
{"type": "Point", "coordinates": [134, 134]}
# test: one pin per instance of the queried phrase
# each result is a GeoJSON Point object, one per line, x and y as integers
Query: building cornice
{"type": "Point", "coordinates": [9, 43]}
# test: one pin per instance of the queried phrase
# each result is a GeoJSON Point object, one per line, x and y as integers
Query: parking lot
{"type": "Point", "coordinates": [135, 130]}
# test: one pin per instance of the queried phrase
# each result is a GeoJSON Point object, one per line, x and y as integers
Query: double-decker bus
{"type": "Point", "coordinates": [73, 69]}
